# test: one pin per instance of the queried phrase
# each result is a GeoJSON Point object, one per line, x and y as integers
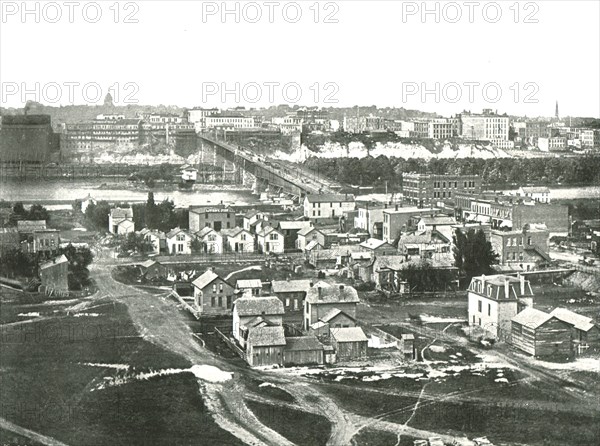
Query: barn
{"type": "Point", "coordinates": [303, 350]}
{"type": "Point", "coordinates": [350, 343]}
{"type": "Point", "coordinates": [265, 346]}
{"type": "Point", "coordinates": [540, 334]}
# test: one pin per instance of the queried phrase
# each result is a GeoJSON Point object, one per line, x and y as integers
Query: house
{"type": "Point", "coordinates": [238, 240]}
{"type": "Point", "coordinates": [320, 301]}
{"type": "Point", "coordinates": [247, 310]}
{"type": "Point", "coordinates": [44, 241]}
{"type": "Point", "coordinates": [291, 292]}
{"type": "Point", "coordinates": [440, 223]}
{"type": "Point", "coordinates": [120, 221]}
{"type": "Point", "coordinates": [156, 238]}
{"type": "Point", "coordinates": [303, 350]}
{"type": "Point", "coordinates": [54, 276]}
{"type": "Point", "coordinates": [349, 343]}
{"type": "Point", "coordinates": [527, 248]}
{"type": "Point", "coordinates": [584, 332]}
{"type": "Point", "coordinates": [493, 302]}
{"type": "Point", "coordinates": [27, 227]}
{"type": "Point", "coordinates": [538, 194]}
{"type": "Point", "coordinates": [290, 230]}
{"type": "Point", "coordinates": [396, 220]}
{"type": "Point", "coordinates": [385, 273]}
{"type": "Point", "coordinates": [378, 247]}
{"type": "Point", "coordinates": [212, 294]}
{"type": "Point", "coordinates": [217, 217]}
{"type": "Point", "coordinates": [265, 346]}
{"type": "Point", "coordinates": [333, 257]}
{"type": "Point", "coordinates": [189, 174]}
{"type": "Point", "coordinates": [86, 202]}
{"type": "Point", "coordinates": [333, 319]}
{"type": "Point", "coordinates": [370, 219]}
{"type": "Point", "coordinates": [151, 269]}
{"type": "Point", "coordinates": [307, 235]}
{"type": "Point", "coordinates": [179, 242]}
{"type": "Point", "coordinates": [253, 287]}
{"type": "Point", "coordinates": [540, 334]}
{"type": "Point", "coordinates": [423, 243]}
{"type": "Point", "coordinates": [212, 241]}
{"type": "Point", "coordinates": [252, 217]}
{"type": "Point", "coordinates": [327, 206]}
{"type": "Point", "coordinates": [270, 240]}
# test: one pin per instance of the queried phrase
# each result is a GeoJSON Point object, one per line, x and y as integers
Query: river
{"type": "Point", "coordinates": [60, 193]}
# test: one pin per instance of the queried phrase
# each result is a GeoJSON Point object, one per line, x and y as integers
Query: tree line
{"type": "Point", "coordinates": [501, 172]}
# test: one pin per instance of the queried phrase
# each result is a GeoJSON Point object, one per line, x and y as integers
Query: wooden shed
{"type": "Point", "coordinates": [265, 346]}
{"type": "Point", "coordinates": [303, 350]}
{"type": "Point", "coordinates": [540, 334]}
{"type": "Point", "coordinates": [585, 333]}
{"type": "Point", "coordinates": [350, 343]}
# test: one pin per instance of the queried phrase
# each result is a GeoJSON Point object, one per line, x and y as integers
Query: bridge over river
{"type": "Point", "coordinates": [268, 173]}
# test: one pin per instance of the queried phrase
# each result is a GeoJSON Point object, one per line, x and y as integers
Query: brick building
{"type": "Point", "coordinates": [426, 189]}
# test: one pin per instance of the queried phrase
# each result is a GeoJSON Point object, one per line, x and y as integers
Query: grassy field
{"type": "Point", "coordinates": [52, 375]}
{"type": "Point", "coordinates": [372, 437]}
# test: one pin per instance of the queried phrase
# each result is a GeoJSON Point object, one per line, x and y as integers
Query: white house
{"type": "Point", "coordinates": [239, 240]}
{"type": "Point", "coordinates": [120, 221]}
{"type": "Point", "coordinates": [86, 202]}
{"type": "Point", "coordinates": [212, 241]}
{"type": "Point", "coordinates": [189, 174]}
{"type": "Point", "coordinates": [327, 206]}
{"type": "Point", "coordinates": [157, 238]}
{"type": "Point", "coordinates": [179, 242]}
{"type": "Point", "coordinates": [539, 194]}
{"type": "Point", "coordinates": [270, 240]}
{"type": "Point", "coordinates": [307, 235]}
{"type": "Point", "coordinates": [252, 311]}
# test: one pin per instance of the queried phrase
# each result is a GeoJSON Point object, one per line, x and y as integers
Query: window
{"type": "Point", "coordinates": [214, 288]}
{"type": "Point", "coordinates": [287, 302]}
{"type": "Point", "coordinates": [220, 288]}
{"type": "Point", "coordinates": [243, 237]}
{"type": "Point", "coordinates": [273, 237]}
{"type": "Point", "coordinates": [220, 301]}
{"type": "Point", "coordinates": [212, 301]}
{"type": "Point", "coordinates": [489, 309]}
{"type": "Point", "coordinates": [479, 305]}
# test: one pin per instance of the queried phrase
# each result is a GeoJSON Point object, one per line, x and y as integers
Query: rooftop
{"type": "Point", "coordinates": [330, 198]}
{"type": "Point", "coordinates": [249, 283]}
{"type": "Point", "coordinates": [266, 336]}
{"type": "Point", "coordinates": [333, 294]}
{"type": "Point", "coordinates": [374, 243]}
{"type": "Point", "coordinates": [294, 225]}
{"type": "Point", "coordinates": [349, 334]}
{"type": "Point", "coordinates": [121, 213]}
{"type": "Point", "coordinates": [53, 262]}
{"type": "Point", "coordinates": [532, 318]}
{"type": "Point", "coordinates": [205, 279]}
{"type": "Point", "coordinates": [290, 286]}
{"type": "Point", "coordinates": [256, 306]}
{"type": "Point", "coordinates": [303, 343]}
{"type": "Point", "coordinates": [580, 322]}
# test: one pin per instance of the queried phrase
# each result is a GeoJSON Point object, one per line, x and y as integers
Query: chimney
{"type": "Point", "coordinates": [522, 283]}
{"type": "Point", "coordinates": [506, 288]}
{"type": "Point", "coordinates": [320, 291]}
{"type": "Point", "coordinates": [396, 207]}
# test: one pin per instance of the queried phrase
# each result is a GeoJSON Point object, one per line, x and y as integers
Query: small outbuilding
{"type": "Point", "coordinates": [540, 334]}
{"type": "Point", "coordinates": [303, 350]}
{"type": "Point", "coordinates": [265, 346]}
{"type": "Point", "coordinates": [350, 343]}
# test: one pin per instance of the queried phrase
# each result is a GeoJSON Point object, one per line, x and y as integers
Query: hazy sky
{"type": "Point", "coordinates": [383, 53]}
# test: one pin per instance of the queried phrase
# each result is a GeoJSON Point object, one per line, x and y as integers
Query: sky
{"type": "Point", "coordinates": [516, 57]}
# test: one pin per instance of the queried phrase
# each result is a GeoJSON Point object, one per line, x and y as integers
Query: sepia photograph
{"type": "Point", "coordinates": [300, 223]}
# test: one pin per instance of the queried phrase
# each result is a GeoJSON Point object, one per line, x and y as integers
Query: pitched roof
{"type": "Point", "coordinates": [330, 198]}
{"type": "Point", "coordinates": [249, 283]}
{"type": "Point", "coordinates": [389, 262]}
{"type": "Point", "coordinates": [30, 225]}
{"type": "Point", "coordinates": [53, 262]}
{"type": "Point", "coordinates": [374, 243]}
{"type": "Point", "coordinates": [266, 336]}
{"type": "Point", "coordinates": [267, 230]}
{"type": "Point", "coordinates": [205, 279]}
{"type": "Point", "coordinates": [307, 230]}
{"type": "Point", "coordinates": [256, 306]}
{"type": "Point", "coordinates": [532, 318]}
{"type": "Point", "coordinates": [290, 286]}
{"type": "Point", "coordinates": [234, 232]}
{"type": "Point", "coordinates": [292, 225]}
{"type": "Point", "coordinates": [303, 343]}
{"type": "Point", "coordinates": [334, 294]}
{"type": "Point", "coordinates": [121, 213]}
{"type": "Point", "coordinates": [349, 334]}
{"type": "Point", "coordinates": [422, 237]}
{"type": "Point", "coordinates": [251, 213]}
{"type": "Point", "coordinates": [149, 263]}
{"type": "Point", "coordinates": [202, 232]}
{"type": "Point", "coordinates": [431, 220]}
{"type": "Point", "coordinates": [579, 321]}
{"type": "Point", "coordinates": [173, 232]}
{"type": "Point", "coordinates": [333, 313]}
{"type": "Point", "coordinates": [536, 190]}
{"type": "Point", "coordinates": [311, 245]}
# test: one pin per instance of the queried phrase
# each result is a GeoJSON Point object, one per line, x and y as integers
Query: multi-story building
{"type": "Point", "coordinates": [229, 120]}
{"type": "Point", "coordinates": [197, 116]}
{"type": "Point", "coordinates": [494, 300]}
{"type": "Point", "coordinates": [590, 138]}
{"type": "Point", "coordinates": [554, 144]}
{"type": "Point", "coordinates": [521, 249]}
{"type": "Point", "coordinates": [327, 206]}
{"type": "Point", "coordinates": [213, 216]}
{"type": "Point", "coordinates": [426, 189]}
{"type": "Point", "coordinates": [288, 124]}
{"type": "Point", "coordinates": [487, 126]}
{"type": "Point", "coordinates": [321, 300]}
{"type": "Point", "coordinates": [443, 128]}
{"type": "Point", "coordinates": [396, 220]}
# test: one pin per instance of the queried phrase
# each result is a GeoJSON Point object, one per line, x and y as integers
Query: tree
{"type": "Point", "coordinates": [137, 243]}
{"type": "Point", "coordinates": [96, 215]}
{"type": "Point", "coordinates": [473, 254]}
{"type": "Point", "coordinates": [15, 262]}
{"type": "Point", "coordinates": [79, 260]}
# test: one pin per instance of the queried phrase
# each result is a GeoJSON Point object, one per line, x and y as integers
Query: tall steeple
{"type": "Point", "coordinates": [556, 112]}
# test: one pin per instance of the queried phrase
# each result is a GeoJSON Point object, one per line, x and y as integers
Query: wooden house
{"type": "Point", "coordinates": [156, 238]}
{"type": "Point", "coordinates": [211, 240]}
{"type": "Point", "coordinates": [349, 343]}
{"type": "Point", "coordinates": [290, 230]}
{"type": "Point", "coordinates": [320, 301]}
{"type": "Point", "coordinates": [247, 310]}
{"type": "Point", "coordinates": [584, 332]}
{"type": "Point", "coordinates": [238, 240]}
{"type": "Point", "coordinates": [303, 350]}
{"type": "Point", "coordinates": [270, 240]}
{"type": "Point", "coordinates": [120, 221]}
{"type": "Point", "coordinates": [540, 334]}
{"type": "Point", "coordinates": [151, 269]}
{"type": "Point", "coordinates": [253, 287]}
{"type": "Point", "coordinates": [291, 292]}
{"type": "Point", "coordinates": [179, 242]}
{"type": "Point", "coordinates": [265, 346]}
{"type": "Point", "coordinates": [212, 294]}
{"type": "Point", "coordinates": [378, 247]}
{"type": "Point", "coordinates": [307, 235]}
